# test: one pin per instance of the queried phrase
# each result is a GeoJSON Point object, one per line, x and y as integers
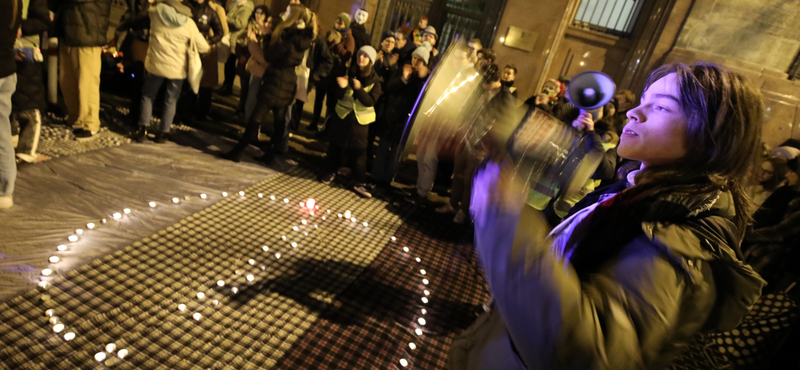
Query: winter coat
{"type": "Point", "coordinates": [386, 70]}
{"type": "Point", "coordinates": [280, 80]}
{"type": "Point", "coordinates": [320, 60]}
{"type": "Point", "coordinates": [400, 96]}
{"type": "Point", "coordinates": [360, 35]}
{"type": "Point", "coordinates": [405, 53]}
{"type": "Point", "coordinates": [82, 22]}
{"type": "Point", "coordinates": [170, 33]}
{"type": "Point", "coordinates": [559, 308]}
{"type": "Point", "coordinates": [256, 65]}
{"type": "Point", "coordinates": [8, 35]}
{"type": "Point", "coordinates": [223, 17]}
{"type": "Point", "coordinates": [238, 18]}
{"type": "Point", "coordinates": [341, 51]}
{"type": "Point", "coordinates": [30, 93]}
{"type": "Point", "coordinates": [208, 23]}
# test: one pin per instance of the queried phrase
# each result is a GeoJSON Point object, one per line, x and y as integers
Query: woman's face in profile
{"type": "Point", "coordinates": [656, 132]}
{"type": "Point", "coordinates": [767, 171]}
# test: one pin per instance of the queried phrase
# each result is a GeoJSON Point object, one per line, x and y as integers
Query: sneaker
{"type": "Point", "coordinates": [6, 201]}
{"type": "Point", "coordinates": [327, 179]}
{"type": "Point", "coordinates": [162, 137]}
{"type": "Point", "coordinates": [141, 135]}
{"type": "Point", "coordinates": [82, 134]}
{"type": "Point", "coordinates": [362, 191]}
{"type": "Point", "coordinates": [447, 208]}
{"type": "Point", "coordinates": [460, 217]}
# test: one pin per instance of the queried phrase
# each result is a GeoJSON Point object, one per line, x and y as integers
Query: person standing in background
{"type": "Point", "coordinates": [342, 46]}
{"type": "Point", "coordinates": [360, 33]}
{"type": "Point", "coordinates": [81, 26]}
{"type": "Point", "coordinates": [210, 26]}
{"type": "Point", "coordinates": [239, 12]}
{"type": "Point", "coordinates": [29, 99]}
{"type": "Point", "coordinates": [10, 22]}
{"type": "Point", "coordinates": [416, 35]}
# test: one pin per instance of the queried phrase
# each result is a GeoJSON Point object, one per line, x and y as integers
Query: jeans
{"type": "Point", "coordinates": [252, 97]}
{"type": "Point", "coordinates": [151, 85]}
{"type": "Point", "coordinates": [8, 164]}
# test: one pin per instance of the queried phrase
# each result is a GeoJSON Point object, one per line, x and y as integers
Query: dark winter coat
{"type": "Point", "coordinates": [320, 60]}
{"type": "Point", "coordinates": [30, 93]}
{"type": "Point", "coordinates": [82, 22]}
{"type": "Point", "coordinates": [624, 298]}
{"type": "Point", "coordinates": [9, 23]}
{"type": "Point", "coordinates": [400, 96]}
{"type": "Point", "coordinates": [405, 53]}
{"type": "Point", "coordinates": [386, 70]}
{"type": "Point", "coordinates": [279, 82]}
{"type": "Point", "coordinates": [341, 53]}
{"type": "Point", "coordinates": [208, 20]}
{"type": "Point", "coordinates": [360, 35]}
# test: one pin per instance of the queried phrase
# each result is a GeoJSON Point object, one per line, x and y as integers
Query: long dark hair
{"type": "Point", "coordinates": [724, 114]}
{"type": "Point", "coordinates": [297, 12]}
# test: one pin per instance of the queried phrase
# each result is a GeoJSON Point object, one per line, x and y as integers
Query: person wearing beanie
{"type": "Point", "coordinates": [423, 52]}
{"type": "Point", "coordinates": [355, 110]}
{"type": "Point", "coordinates": [417, 33]}
{"type": "Point", "coordinates": [345, 19]}
{"type": "Point", "coordinates": [386, 62]}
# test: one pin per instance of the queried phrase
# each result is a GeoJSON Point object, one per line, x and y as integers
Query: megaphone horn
{"type": "Point", "coordinates": [590, 90]}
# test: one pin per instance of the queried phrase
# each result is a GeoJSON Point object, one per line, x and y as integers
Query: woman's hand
{"type": "Point", "coordinates": [356, 84]}
{"type": "Point", "coordinates": [379, 58]}
{"type": "Point", "coordinates": [584, 122]}
{"type": "Point", "coordinates": [394, 59]}
{"type": "Point", "coordinates": [342, 81]}
{"type": "Point", "coordinates": [407, 69]}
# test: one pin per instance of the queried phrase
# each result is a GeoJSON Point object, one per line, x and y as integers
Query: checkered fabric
{"type": "Point", "coordinates": [371, 323]}
{"type": "Point", "coordinates": [144, 299]}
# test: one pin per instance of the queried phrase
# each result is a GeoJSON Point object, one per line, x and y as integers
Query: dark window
{"type": "Point", "coordinates": [615, 17]}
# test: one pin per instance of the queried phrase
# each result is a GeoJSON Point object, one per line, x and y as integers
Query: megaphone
{"type": "Point", "coordinates": [590, 90]}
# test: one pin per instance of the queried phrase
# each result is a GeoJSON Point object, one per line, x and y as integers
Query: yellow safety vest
{"type": "Point", "coordinates": [347, 104]}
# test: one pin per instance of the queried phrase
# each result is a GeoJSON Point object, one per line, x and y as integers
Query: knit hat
{"type": "Point", "coordinates": [423, 52]}
{"type": "Point", "coordinates": [432, 31]}
{"type": "Point", "coordinates": [345, 18]}
{"type": "Point", "coordinates": [370, 52]}
{"type": "Point", "coordinates": [387, 34]}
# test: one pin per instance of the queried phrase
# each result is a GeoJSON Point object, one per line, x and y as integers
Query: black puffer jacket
{"type": "Point", "coordinates": [360, 35]}
{"type": "Point", "coordinates": [280, 80]}
{"type": "Point", "coordinates": [30, 93]}
{"type": "Point", "coordinates": [9, 22]}
{"type": "Point", "coordinates": [82, 22]}
{"type": "Point", "coordinates": [320, 60]}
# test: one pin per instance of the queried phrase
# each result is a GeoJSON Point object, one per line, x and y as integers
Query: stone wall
{"type": "Point", "coordinates": [761, 32]}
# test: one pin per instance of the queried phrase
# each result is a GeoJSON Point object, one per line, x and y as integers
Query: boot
{"type": "Point", "coordinates": [141, 135]}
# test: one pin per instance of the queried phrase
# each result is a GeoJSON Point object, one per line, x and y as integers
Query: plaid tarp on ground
{"type": "Point", "coordinates": [261, 294]}
{"type": "Point", "coordinates": [372, 323]}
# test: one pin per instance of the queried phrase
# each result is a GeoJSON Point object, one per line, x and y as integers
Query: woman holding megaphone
{"type": "Point", "coordinates": [637, 268]}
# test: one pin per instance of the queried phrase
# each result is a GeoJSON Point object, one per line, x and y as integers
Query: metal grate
{"type": "Point", "coordinates": [459, 27]}
{"type": "Point", "coordinates": [615, 17]}
{"type": "Point", "coordinates": [407, 12]}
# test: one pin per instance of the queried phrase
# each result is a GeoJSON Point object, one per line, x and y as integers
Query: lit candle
{"type": "Point", "coordinates": [111, 347]}
{"type": "Point", "coordinates": [295, 228]}
{"type": "Point", "coordinates": [403, 362]}
{"type": "Point", "coordinates": [58, 327]}
{"type": "Point", "coordinates": [181, 307]}
{"type": "Point", "coordinates": [265, 248]}
{"type": "Point", "coordinates": [117, 215]}
{"type": "Point", "coordinates": [175, 200]}
{"type": "Point", "coordinates": [393, 238]}
{"type": "Point", "coordinates": [426, 292]}
{"type": "Point", "coordinates": [405, 249]}
{"type": "Point", "coordinates": [260, 195]}
{"type": "Point", "coordinates": [62, 247]}
{"type": "Point", "coordinates": [241, 193]}
{"type": "Point", "coordinates": [418, 331]}
{"type": "Point", "coordinates": [43, 284]}
{"type": "Point", "coordinates": [50, 312]}
{"type": "Point", "coordinates": [201, 295]}
{"type": "Point", "coordinates": [294, 245]}
{"type": "Point", "coordinates": [250, 278]}
{"type": "Point", "coordinates": [422, 272]}
{"type": "Point", "coordinates": [47, 272]}
{"type": "Point", "coordinates": [224, 193]}
{"type": "Point", "coordinates": [421, 321]}
{"type": "Point", "coordinates": [425, 281]}
{"type": "Point", "coordinates": [303, 222]}
{"type": "Point", "coordinates": [203, 196]}
{"type": "Point", "coordinates": [126, 210]}
{"type": "Point", "coordinates": [100, 356]}
{"type": "Point", "coordinates": [54, 259]}
{"type": "Point", "coordinates": [310, 203]}
{"type": "Point", "coordinates": [418, 260]}
{"type": "Point", "coordinates": [424, 300]}
{"type": "Point", "coordinates": [278, 255]}
{"type": "Point", "coordinates": [366, 224]}
{"type": "Point", "coordinates": [271, 197]}
{"type": "Point", "coordinates": [79, 231]}
{"type": "Point", "coordinates": [424, 311]}
{"type": "Point", "coordinates": [152, 204]}
{"type": "Point", "coordinates": [122, 353]}
{"type": "Point", "coordinates": [252, 262]}
{"type": "Point", "coordinates": [220, 283]}
{"type": "Point", "coordinates": [412, 345]}
{"type": "Point", "coordinates": [90, 225]}
{"type": "Point", "coordinates": [69, 336]}
{"type": "Point", "coordinates": [286, 200]}
{"type": "Point", "coordinates": [74, 238]}
{"type": "Point", "coordinates": [353, 219]}
{"type": "Point", "coordinates": [235, 290]}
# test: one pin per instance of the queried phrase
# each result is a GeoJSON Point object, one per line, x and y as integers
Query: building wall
{"type": "Point", "coordinates": [756, 38]}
